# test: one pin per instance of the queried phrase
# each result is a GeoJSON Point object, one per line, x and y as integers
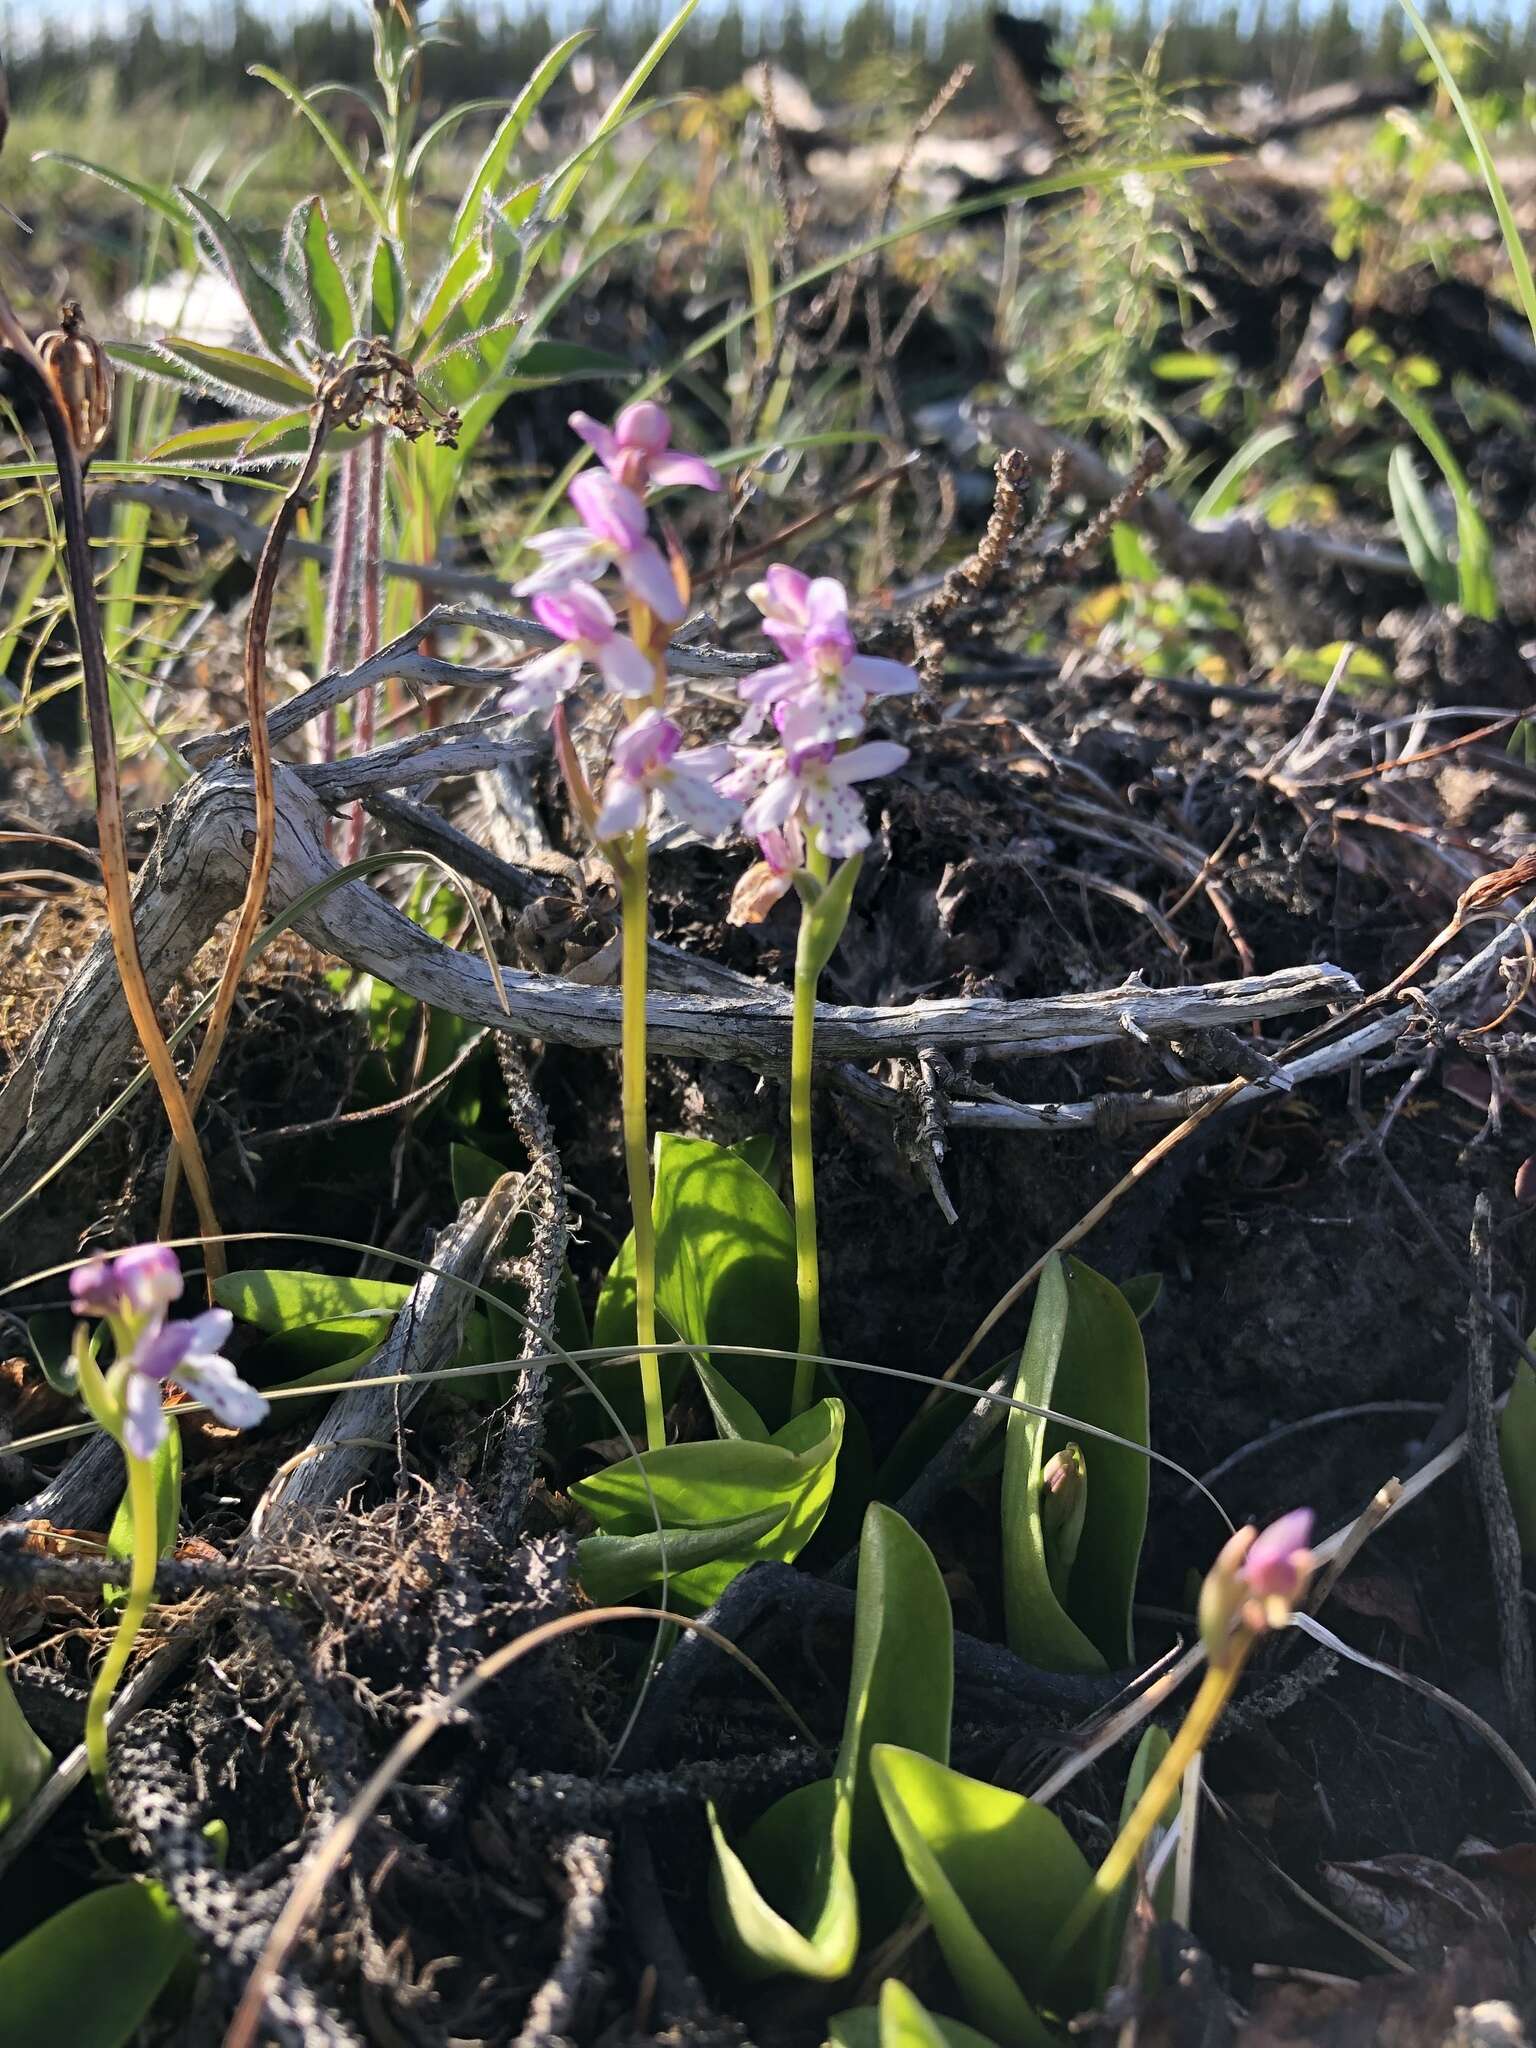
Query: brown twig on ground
{"type": "Point", "coordinates": [109, 803]}
{"type": "Point", "coordinates": [1491, 1492]}
{"type": "Point", "coordinates": [543, 1195]}
{"type": "Point", "coordinates": [971, 578]}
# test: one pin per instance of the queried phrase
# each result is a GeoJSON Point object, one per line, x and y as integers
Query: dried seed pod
{"type": "Point", "coordinates": [81, 376]}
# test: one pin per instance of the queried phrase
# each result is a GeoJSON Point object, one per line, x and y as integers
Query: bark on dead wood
{"type": "Point", "coordinates": [194, 878]}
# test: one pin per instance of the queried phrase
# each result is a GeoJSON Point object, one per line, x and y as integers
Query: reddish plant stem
{"type": "Point", "coordinates": [109, 803]}
{"type": "Point", "coordinates": [371, 618]}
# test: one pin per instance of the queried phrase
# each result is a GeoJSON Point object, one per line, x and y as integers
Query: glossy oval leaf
{"type": "Point", "coordinates": [725, 1270]}
{"type": "Point", "coordinates": [90, 1975]}
{"type": "Point", "coordinates": [617, 1567]}
{"type": "Point", "coordinates": [1083, 1357]}
{"type": "Point", "coordinates": [900, 2021]}
{"type": "Point", "coordinates": [900, 1691]}
{"type": "Point", "coordinates": [998, 1876]}
{"type": "Point", "coordinates": [699, 1485]}
{"type": "Point", "coordinates": [787, 1904]}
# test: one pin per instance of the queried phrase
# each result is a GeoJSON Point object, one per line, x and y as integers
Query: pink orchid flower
{"type": "Point", "coordinates": [589, 636]}
{"type": "Point", "coordinates": [613, 534]}
{"type": "Point", "coordinates": [648, 763]}
{"type": "Point", "coordinates": [132, 1293]}
{"type": "Point", "coordinates": [819, 692]}
{"type": "Point", "coordinates": [812, 788]}
{"type": "Point", "coordinates": [636, 450]}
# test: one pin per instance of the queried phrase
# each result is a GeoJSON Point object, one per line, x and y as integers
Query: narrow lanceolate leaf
{"type": "Point", "coordinates": [262, 299]}
{"type": "Point", "coordinates": [223, 443]}
{"type": "Point", "coordinates": [303, 104]}
{"type": "Point", "coordinates": [155, 197]}
{"type": "Point", "coordinates": [902, 1627]}
{"type": "Point", "coordinates": [386, 288]}
{"type": "Point", "coordinates": [492, 166]}
{"type": "Point", "coordinates": [236, 375]}
{"type": "Point", "coordinates": [315, 280]}
{"type": "Point", "coordinates": [566, 186]}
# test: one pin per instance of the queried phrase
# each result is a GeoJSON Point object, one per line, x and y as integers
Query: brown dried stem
{"type": "Point", "coordinates": [109, 801]}
{"type": "Point", "coordinates": [249, 920]}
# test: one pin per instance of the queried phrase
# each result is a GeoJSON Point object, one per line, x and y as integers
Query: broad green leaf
{"type": "Point", "coordinates": [492, 166]}
{"type": "Point", "coordinates": [310, 258]}
{"type": "Point", "coordinates": [277, 1300]}
{"type": "Point", "coordinates": [303, 104]}
{"type": "Point", "coordinates": [167, 1464]}
{"type": "Point", "coordinates": [1476, 589]}
{"type": "Point", "coordinates": [998, 1876]}
{"type": "Point", "coordinates": [725, 1272]}
{"type": "Point", "coordinates": [733, 1413]}
{"type": "Point", "coordinates": [262, 299]}
{"type": "Point", "coordinates": [771, 1901]}
{"type": "Point", "coordinates": [900, 2021]}
{"type": "Point", "coordinates": [462, 270]}
{"type": "Point", "coordinates": [787, 1903]}
{"type": "Point", "coordinates": [905, 2021]}
{"type": "Point", "coordinates": [1517, 1453]}
{"type": "Point", "coordinates": [1418, 530]}
{"type": "Point", "coordinates": [237, 375]}
{"type": "Point", "coordinates": [25, 1761]}
{"type": "Point", "coordinates": [900, 1690]}
{"type": "Point", "coordinates": [89, 1976]}
{"type": "Point", "coordinates": [617, 1567]}
{"type": "Point", "coordinates": [697, 1485]}
{"type": "Point", "coordinates": [1084, 1358]}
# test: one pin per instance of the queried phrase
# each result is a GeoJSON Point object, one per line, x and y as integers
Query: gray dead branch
{"type": "Point", "coordinates": [424, 1338]}
{"type": "Point", "coordinates": [195, 876]}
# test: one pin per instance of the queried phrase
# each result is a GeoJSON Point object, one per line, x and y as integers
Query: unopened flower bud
{"type": "Point", "coordinates": [1063, 1506]}
{"type": "Point", "coordinates": [81, 376]}
{"type": "Point", "coordinates": [1256, 1582]}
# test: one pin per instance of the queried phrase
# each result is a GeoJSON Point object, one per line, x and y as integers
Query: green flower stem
{"type": "Point", "coordinates": [141, 1588]}
{"type": "Point", "coordinates": [637, 1146]}
{"type": "Point", "coordinates": [1205, 1711]}
{"type": "Point", "coordinates": [801, 1159]}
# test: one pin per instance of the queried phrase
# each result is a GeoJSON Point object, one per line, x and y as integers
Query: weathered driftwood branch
{"type": "Point", "coordinates": [424, 757]}
{"type": "Point", "coordinates": [1232, 551]}
{"type": "Point", "coordinates": [195, 876]}
{"type": "Point", "coordinates": [424, 1338]}
{"type": "Point", "coordinates": [403, 660]}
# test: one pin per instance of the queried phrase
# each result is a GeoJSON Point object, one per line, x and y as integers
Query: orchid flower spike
{"type": "Point", "coordinates": [132, 1293]}
{"type": "Point", "coordinates": [813, 788]}
{"type": "Point", "coordinates": [589, 635]}
{"type": "Point", "coordinates": [819, 692]}
{"type": "Point", "coordinates": [648, 762]}
{"type": "Point", "coordinates": [636, 450]}
{"type": "Point", "coordinates": [613, 534]}
{"type": "Point", "coordinates": [1257, 1581]}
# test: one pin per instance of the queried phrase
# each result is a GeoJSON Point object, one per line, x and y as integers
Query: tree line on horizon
{"type": "Point", "coordinates": [194, 52]}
